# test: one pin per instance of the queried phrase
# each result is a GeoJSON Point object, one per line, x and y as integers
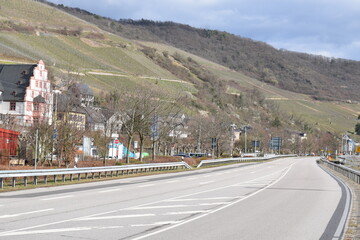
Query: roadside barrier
{"type": "Point", "coordinates": [240, 159]}
{"type": "Point", "coordinates": [346, 171]}
{"type": "Point", "coordinates": [87, 172]}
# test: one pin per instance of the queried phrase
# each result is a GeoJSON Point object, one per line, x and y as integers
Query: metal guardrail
{"type": "Point", "coordinates": [346, 171]}
{"type": "Point", "coordinates": [125, 169]}
{"type": "Point", "coordinates": [240, 159]}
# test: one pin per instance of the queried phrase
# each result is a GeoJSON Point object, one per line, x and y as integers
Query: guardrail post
{"type": "Point", "coordinates": [35, 180]}
{"type": "Point", "coordinates": [13, 183]}
{"type": "Point", "coordinates": [25, 181]}
{"type": "Point", "coordinates": [55, 178]}
{"type": "Point", "coordinates": [1, 183]}
{"type": "Point", "coordinates": [86, 175]}
{"type": "Point", "coordinates": [45, 179]}
{"type": "Point", "coordinates": [71, 177]}
{"type": "Point", "coordinates": [92, 175]}
{"type": "Point", "coordinates": [105, 174]}
{"type": "Point", "coordinates": [99, 175]}
{"type": "Point", "coordinates": [79, 176]}
{"type": "Point", "coordinates": [63, 178]}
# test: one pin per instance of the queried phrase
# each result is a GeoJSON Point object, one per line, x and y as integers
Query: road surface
{"type": "Point", "coordinates": [290, 198]}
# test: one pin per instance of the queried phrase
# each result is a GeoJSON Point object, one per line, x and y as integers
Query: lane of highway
{"type": "Point", "coordinates": [283, 199]}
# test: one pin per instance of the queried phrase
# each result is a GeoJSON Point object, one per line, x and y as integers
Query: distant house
{"type": "Point", "coordinates": [83, 94]}
{"type": "Point", "coordinates": [70, 113]}
{"type": "Point", "coordinates": [25, 93]}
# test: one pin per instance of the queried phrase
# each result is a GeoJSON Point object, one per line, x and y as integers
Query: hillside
{"type": "Point", "coordinates": [320, 77]}
{"type": "Point", "coordinates": [75, 49]}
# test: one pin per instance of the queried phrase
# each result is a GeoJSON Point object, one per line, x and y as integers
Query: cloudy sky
{"type": "Point", "coordinates": [325, 27]}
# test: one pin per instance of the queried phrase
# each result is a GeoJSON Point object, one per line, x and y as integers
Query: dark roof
{"type": "Point", "coordinates": [94, 115]}
{"type": "Point", "coordinates": [39, 99]}
{"type": "Point", "coordinates": [83, 89]}
{"type": "Point", "coordinates": [14, 80]}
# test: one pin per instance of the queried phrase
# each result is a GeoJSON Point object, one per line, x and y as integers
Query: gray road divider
{"type": "Point", "coordinates": [100, 171]}
{"type": "Point", "coordinates": [241, 159]}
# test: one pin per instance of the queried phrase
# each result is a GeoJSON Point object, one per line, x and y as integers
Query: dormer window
{"type": "Point", "coordinates": [23, 72]}
{"type": "Point", "coordinates": [13, 93]}
{"type": "Point", "coordinates": [19, 82]}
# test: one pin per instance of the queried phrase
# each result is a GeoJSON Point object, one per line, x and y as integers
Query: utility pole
{"type": "Point", "coordinates": [54, 125]}
{"type": "Point", "coordinates": [199, 141]}
{"type": "Point", "coordinates": [36, 146]}
{"type": "Point", "coordinates": [245, 140]}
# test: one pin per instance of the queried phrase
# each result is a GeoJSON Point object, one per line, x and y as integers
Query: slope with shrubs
{"type": "Point", "coordinates": [296, 72]}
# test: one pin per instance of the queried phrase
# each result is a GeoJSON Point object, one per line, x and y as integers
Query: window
{"type": "Point", "coordinates": [12, 106]}
{"type": "Point", "coordinates": [36, 107]}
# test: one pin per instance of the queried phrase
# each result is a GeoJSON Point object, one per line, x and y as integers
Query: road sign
{"type": "Point", "coordinates": [255, 143]}
{"type": "Point", "coordinates": [358, 149]}
{"type": "Point", "coordinates": [116, 141]}
{"type": "Point", "coordinates": [276, 143]}
{"type": "Point", "coordinates": [213, 142]}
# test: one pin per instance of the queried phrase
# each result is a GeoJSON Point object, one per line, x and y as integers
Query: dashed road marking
{"type": "Point", "coordinates": [55, 198]}
{"type": "Point", "coordinates": [157, 207]}
{"type": "Point", "coordinates": [116, 217]}
{"type": "Point", "coordinates": [203, 183]}
{"type": "Point", "coordinates": [25, 213]}
{"type": "Point", "coordinates": [59, 230]}
{"type": "Point", "coordinates": [146, 185]}
{"type": "Point", "coordinates": [173, 181]}
{"type": "Point", "coordinates": [111, 190]}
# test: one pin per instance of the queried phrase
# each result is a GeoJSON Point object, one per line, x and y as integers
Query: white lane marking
{"type": "Point", "coordinates": [201, 199]}
{"type": "Point", "coordinates": [215, 210]}
{"type": "Point", "coordinates": [185, 212]}
{"type": "Point", "coordinates": [58, 230]}
{"type": "Point", "coordinates": [146, 185]}
{"type": "Point", "coordinates": [191, 178]}
{"type": "Point", "coordinates": [155, 224]}
{"type": "Point", "coordinates": [173, 181]}
{"type": "Point", "coordinates": [203, 183]}
{"type": "Point", "coordinates": [111, 190]}
{"type": "Point", "coordinates": [215, 203]}
{"type": "Point", "coordinates": [346, 211]}
{"type": "Point", "coordinates": [25, 213]}
{"type": "Point", "coordinates": [147, 204]}
{"type": "Point", "coordinates": [116, 217]}
{"type": "Point", "coordinates": [56, 198]}
{"type": "Point", "coordinates": [157, 207]}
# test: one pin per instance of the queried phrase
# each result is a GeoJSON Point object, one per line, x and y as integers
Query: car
{"type": "Point", "coordinates": [185, 155]}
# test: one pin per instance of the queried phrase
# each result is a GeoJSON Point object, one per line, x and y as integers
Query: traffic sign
{"type": "Point", "coordinates": [116, 141]}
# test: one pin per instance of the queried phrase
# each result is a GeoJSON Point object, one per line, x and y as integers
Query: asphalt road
{"type": "Point", "coordinates": [290, 198]}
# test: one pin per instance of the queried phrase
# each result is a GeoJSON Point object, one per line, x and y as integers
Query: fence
{"type": "Point", "coordinates": [346, 171]}
{"type": "Point", "coordinates": [87, 172]}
